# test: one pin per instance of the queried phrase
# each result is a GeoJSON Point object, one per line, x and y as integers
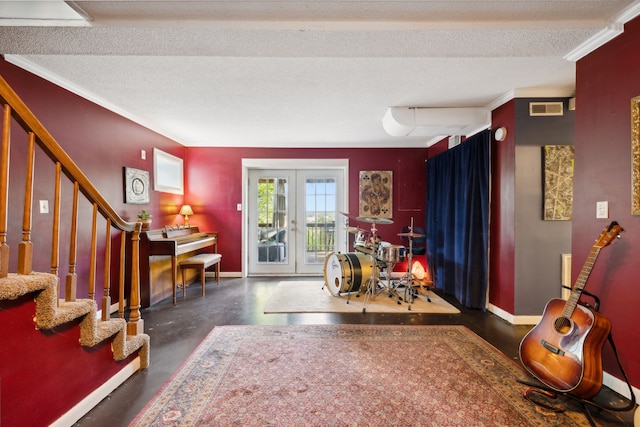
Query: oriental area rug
{"type": "Point", "coordinates": [346, 375]}
{"type": "Point", "coordinates": [312, 297]}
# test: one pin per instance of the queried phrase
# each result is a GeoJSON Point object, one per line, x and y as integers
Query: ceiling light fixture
{"type": "Point", "coordinates": [500, 134]}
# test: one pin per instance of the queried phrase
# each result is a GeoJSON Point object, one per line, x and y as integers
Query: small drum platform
{"type": "Point", "coordinates": [347, 272]}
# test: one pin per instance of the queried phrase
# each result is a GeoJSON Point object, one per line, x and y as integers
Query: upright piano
{"type": "Point", "coordinates": [160, 252]}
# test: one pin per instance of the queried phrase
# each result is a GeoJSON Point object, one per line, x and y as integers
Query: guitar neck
{"type": "Point", "coordinates": [581, 281]}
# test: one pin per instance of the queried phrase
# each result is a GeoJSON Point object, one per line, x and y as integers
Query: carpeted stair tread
{"type": "Point", "coordinates": [124, 346]}
{"type": "Point", "coordinates": [68, 311]}
{"type": "Point", "coordinates": [16, 285]}
{"type": "Point", "coordinates": [94, 331]}
{"type": "Point", "coordinates": [52, 312]}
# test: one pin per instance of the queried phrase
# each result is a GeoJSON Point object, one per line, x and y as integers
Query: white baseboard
{"type": "Point", "coordinates": [619, 386]}
{"type": "Point", "coordinates": [210, 274]}
{"type": "Point", "coordinates": [113, 309]}
{"type": "Point", "coordinates": [514, 320]}
{"type": "Point", "coordinates": [89, 402]}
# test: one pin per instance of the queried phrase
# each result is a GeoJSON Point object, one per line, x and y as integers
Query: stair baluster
{"type": "Point", "coordinates": [25, 248]}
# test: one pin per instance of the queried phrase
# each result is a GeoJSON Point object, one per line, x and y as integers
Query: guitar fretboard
{"type": "Point", "coordinates": [581, 281]}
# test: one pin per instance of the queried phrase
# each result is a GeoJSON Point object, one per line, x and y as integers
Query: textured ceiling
{"type": "Point", "coordinates": [306, 74]}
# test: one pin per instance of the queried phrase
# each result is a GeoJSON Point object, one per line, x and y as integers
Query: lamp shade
{"type": "Point", "coordinates": [186, 210]}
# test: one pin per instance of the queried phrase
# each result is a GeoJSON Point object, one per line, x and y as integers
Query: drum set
{"type": "Point", "coordinates": [368, 269]}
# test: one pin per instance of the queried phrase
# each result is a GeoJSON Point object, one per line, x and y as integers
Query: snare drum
{"type": "Point", "coordinates": [347, 272]}
{"type": "Point", "coordinates": [363, 243]}
{"type": "Point", "coordinates": [391, 253]}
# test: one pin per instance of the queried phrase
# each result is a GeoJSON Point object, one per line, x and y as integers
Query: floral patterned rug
{"type": "Point", "coordinates": [347, 375]}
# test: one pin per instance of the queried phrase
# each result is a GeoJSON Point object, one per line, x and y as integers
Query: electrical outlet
{"type": "Point", "coordinates": [143, 155]}
{"type": "Point", "coordinates": [602, 209]}
{"type": "Point", "coordinates": [44, 206]}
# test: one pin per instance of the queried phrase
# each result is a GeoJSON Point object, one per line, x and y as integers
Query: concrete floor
{"type": "Point", "coordinates": [176, 331]}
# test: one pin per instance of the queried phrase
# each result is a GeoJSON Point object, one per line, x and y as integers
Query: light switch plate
{"type": "Point", "coordinates": [602, 209]}
{"type": "Point", "coordinates": [44, 206]}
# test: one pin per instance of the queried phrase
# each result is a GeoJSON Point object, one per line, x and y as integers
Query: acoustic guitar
{"type": "Point", "coordinates": [564, 350]}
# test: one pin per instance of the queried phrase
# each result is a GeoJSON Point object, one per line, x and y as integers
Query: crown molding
{"type": "Point", "coordinates": [606, 35]}
{"type": "Point", "coordinates": [599, 39]}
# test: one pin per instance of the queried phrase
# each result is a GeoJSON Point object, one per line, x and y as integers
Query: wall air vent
{"type": "Point", "coordinates": [454, 140]}
{"type": "Point", "coordinates": [546, 109]}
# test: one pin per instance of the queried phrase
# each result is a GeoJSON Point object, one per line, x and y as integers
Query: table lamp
{"type": "Point", "coordinates": [186, 210]}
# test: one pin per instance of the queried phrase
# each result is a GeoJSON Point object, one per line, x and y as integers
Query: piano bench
{"type": "Point", "coordinates": [200, 262]}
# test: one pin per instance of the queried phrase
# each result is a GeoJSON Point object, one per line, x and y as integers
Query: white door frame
{"type": "Point", "coordinates": [342, 164]}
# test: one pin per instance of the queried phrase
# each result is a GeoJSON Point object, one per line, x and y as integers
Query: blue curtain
{"type": "Point", "coordinates": [457, 220]}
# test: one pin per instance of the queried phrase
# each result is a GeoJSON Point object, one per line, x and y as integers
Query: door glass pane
{"type": "Point", "coordinates": [320, 218]}
{"type": "Point", "coordinates": [272, 220]}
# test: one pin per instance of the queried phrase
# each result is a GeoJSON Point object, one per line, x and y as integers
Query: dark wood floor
{"type": "Point", "coordinates": [176, 331]}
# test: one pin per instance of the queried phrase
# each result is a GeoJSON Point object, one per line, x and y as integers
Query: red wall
{"type": "Point", "coordinates": [214, 179]}
{"type": "Point", "coordinates": [607, 79]}
{"type": "Point", "coordinates": [43, 374]}
{"type": "Point", "coordinates": [502, 225]}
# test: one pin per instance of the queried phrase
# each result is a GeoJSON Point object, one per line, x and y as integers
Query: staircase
{"type": "Point", "coordinates": [57, 305]}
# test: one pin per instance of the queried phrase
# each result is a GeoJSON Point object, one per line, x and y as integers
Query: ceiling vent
{"type": "Point", "coordinates": [454, 140]}
{"type": "Point", "coordinates": [546, 108]}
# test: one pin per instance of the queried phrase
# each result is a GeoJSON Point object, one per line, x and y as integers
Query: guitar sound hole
{"type": "Point", "coordinates": [562, 325]}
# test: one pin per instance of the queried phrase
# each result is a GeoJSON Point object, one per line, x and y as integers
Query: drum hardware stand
{"type": "Point", "coordinates": [371, 286]}
{"type": "Point", "coordinates": [410, 290]}
{"type": "Point", "coordinates": [392, 288]}
{"type": "Point", "coordinates": [376, 286]}
{"type": "Point", "coordinates": [372, 289]}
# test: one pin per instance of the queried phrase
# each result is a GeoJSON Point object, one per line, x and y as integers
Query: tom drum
{"type": "Point", "coordinates": [391, 253]}
{"type": "Point", "coordinates": [346, 272]}
{"type": "Point", "coordinates": [363, 243]}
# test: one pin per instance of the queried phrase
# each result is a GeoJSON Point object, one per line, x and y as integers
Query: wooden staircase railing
{"type": "Point", "coordinates": [127, 263]}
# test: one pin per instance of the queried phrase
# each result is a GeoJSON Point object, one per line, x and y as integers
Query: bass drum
{"type": "Point", "coordinates": [346, 272]}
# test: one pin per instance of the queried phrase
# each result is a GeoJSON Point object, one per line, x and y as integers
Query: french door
{"type": "Point", "coordinates": [293, 220]}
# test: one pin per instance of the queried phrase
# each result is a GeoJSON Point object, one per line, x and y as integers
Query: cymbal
{"type": "Point", "coordinates": [411, 235]}
{"type": "Point", "coordinates": [374, 220]}
{"type": "Point", "coordinates": [354, 230]}
{"type": "Point", "coordinates": [346, 214]}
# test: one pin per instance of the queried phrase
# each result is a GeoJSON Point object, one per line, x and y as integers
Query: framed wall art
{"type": "Point", "coordinates": [136, 186]}
{"type": "Point", "coordinates": [558, 182]}
{"type": "Point", "coordinates": [168, 175]}
{"type": "Point", "coordinates": [376, 194]}
{"type": "Point", "coordinates": [635, 156]}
